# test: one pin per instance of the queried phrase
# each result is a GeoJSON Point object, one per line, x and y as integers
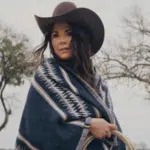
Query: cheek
{"type": "Point", "coordinates": [54, 44]}
{"type": "Point", "coordinates": [69, 39]}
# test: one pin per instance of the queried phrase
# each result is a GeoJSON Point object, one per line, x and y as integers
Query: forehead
{"type": "Point", "coordinates": [61, 25]}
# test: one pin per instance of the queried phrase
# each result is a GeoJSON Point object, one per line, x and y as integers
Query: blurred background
{"type": "Point", "coordinates": [124, 61]}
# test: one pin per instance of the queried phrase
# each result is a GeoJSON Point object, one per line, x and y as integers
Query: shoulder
{"type": "Point", "coordinates": [46, 63]}
{"type": "Point", "coordinates": [104, 83]}
{"type": "Point", "coordinates": [48, 71]}
{"type": "Point", "coordinates": [102, 80]}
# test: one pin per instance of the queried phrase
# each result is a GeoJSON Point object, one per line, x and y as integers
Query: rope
{"type": "Point", "coordinates": [126, 140]}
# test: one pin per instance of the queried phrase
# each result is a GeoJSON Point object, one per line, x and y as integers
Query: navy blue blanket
{"type": "Point", "coordinates": [57, 105]}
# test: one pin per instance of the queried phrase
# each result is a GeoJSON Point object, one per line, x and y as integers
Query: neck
{"type": "Point", "coordinates": [68, 62]}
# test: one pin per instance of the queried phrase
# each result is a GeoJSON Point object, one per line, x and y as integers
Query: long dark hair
{"type": "Point", "coordinates": [81, 47]}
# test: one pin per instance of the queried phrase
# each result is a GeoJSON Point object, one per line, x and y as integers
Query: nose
{"type": "Point", "coordinates": [63, 40]}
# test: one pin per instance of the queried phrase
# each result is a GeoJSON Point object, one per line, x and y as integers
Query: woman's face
{"type": "Point", "coordinates": [61, 40]}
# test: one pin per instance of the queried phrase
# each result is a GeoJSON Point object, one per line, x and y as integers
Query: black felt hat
{"type": "Point", "coordinates": [67, 11]}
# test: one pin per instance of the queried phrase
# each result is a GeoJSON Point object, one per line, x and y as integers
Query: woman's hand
{"type": "Point", "coordinates": [101, 128]}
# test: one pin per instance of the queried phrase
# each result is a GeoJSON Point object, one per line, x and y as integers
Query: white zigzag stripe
{"type": "Point", "coordinates": [68, 80]}
{"type": "Point", "coordinates": [60, 94]}
{"type": "Point", "coordinates": [79, 103]}
{"type": "Point", "coordinates": [48, 99]}
{"type": "Point", "coordinates": [76, 109]}
{"type": "Point", "coordinates": [51, 70]}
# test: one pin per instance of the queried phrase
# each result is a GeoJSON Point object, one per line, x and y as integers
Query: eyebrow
{"type": "Point", "coordinates": [54, 31]}
{"type": "Point", "coordinates": [67, 29]}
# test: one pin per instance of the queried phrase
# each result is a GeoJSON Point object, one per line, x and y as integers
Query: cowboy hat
{"type": "Point", "coordinates": [67, 11]}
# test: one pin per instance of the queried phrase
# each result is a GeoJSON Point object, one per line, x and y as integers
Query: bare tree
{"type": "Point", "coordinates": [129, 57]}
{"type": "Point", "coordinates": [13, 65]}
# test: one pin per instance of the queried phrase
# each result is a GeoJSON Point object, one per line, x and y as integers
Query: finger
{"type": "Point", "coordinates": [108, 134]}
{"type": "Point", "coordinates": [112, 127]}
{"type": "Point", "coordinates": [102, 136]}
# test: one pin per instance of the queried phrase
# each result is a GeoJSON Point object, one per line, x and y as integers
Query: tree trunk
{"type": "Point", "coordinates": [4, 106]}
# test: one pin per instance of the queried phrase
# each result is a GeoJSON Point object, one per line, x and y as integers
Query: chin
{"type": "Point", "coordinates": [65, 57]}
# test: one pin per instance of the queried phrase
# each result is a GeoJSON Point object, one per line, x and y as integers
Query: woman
{"type": "Point", "coordinates": [68, 105]}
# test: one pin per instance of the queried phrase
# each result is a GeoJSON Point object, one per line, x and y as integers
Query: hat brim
{"type": "Point", "coordinates": [82, 16]}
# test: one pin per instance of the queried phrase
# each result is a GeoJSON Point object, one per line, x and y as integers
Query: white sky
{"type": "Point", "coordinates": [133, 112]}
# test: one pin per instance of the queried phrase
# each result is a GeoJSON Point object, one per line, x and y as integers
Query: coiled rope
{"type": "Point", "coordinates": [125, 139]}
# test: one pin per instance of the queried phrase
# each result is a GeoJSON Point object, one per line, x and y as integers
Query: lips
{"type": "Point", "coordinates": [64, 49]}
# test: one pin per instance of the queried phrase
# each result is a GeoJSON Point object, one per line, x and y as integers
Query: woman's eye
{"type": "Point", "coordinates": [69, 33]}
{"type": "Point", "coordinates": [54, 35]}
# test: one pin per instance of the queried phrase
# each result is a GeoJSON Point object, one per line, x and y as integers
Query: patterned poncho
{"type": "Point", "coordinates": [57, 105]}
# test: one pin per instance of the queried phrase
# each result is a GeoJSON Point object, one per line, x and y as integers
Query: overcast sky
{"type": "Point", "coordinates": [132, 111]}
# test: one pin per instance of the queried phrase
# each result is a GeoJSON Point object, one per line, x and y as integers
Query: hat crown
{"type": "Point", "coordinates": [63, 8]}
